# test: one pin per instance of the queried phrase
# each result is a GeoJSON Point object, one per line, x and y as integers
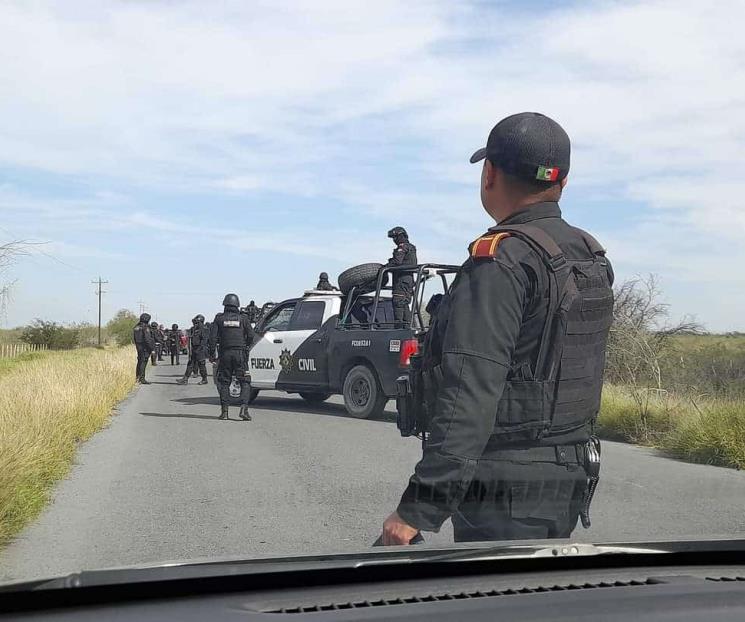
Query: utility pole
{"type": "Point", "coordinates": [99, 292]}
{"type": "Point", "coordinates": [142, 306]}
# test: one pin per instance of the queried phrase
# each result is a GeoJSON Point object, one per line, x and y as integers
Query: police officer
{"type": "Point", "coordinates": [198, 352]}
{"type": "Point", "coordinates": [163, 344]}
{"type": "Point", "coordinates": [173, 344]}
{"type": "Point", "coordinates": [403, 283]}
{"type": "Point", "coordinates": [252, 311]}
{"type": "Point", "coordinates": [232, 332]}
{"type": "Point", "coordinates": [519, 368]}
{"type": "Point", "coordinates": [323, 283]}
{"type": "Point", "coordinates": [158, 339]}
{"type": "Point", "coordinates": [145, 344]}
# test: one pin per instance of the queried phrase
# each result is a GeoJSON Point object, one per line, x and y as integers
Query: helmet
{"type": "Point", "coordinates": [161, 327]}
{"type": "Point", "coordinates": [396, 232]}
{"type": "Point", "coordinates": [252, 303]}
{"type": "Point", "coordinates": [231, 300]}
{"type": "Point", "coordinates": [198, 318]}
{"type": "Point", "coordinates": [174, 326]}
{"type": "Point", "coordinates": [154, 325]}
{"type": "Point", "coordinates": [145, 318]}
{"type": "Point", "coordinates": [324, 276]}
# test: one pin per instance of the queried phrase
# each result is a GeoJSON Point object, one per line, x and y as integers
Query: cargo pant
{"type": "Point", "coordinates": [516, 500]}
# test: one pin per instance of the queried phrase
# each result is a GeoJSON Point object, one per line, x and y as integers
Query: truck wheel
{"type": "Point", "coordinates": [363, 275]}
{"type": "Point", "coordinates": [362, 395]}
{"type": "Point", "coordinates": [315, 398]}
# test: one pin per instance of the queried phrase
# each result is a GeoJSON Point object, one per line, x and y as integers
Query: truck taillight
{"type": "Point", "coordinates": [409, 347]}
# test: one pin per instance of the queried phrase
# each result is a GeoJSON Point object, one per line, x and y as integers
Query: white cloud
{"type": "Point", "coordinates": [378, 105]}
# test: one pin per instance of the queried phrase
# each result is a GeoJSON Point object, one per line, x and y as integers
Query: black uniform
{"type": "Point", "coordinates": [174, 346]}
{"type": "Point", "coordinates": [198, 352]}
{"type": "Point", "coordinates": [232, 333]}
{"type": "Point", "coordinates": [506, 458]}
{"type": "Point", "coordinates": [253, 312]}
{"type": "Point", "coordinates": [161, 343]}
{"type": "Point", "coordinates": [158, 339]}
{"type": "Point", "coordinates": [403, 284]}
{"type": "Point", "coordinates": [145, 344]}
{"type": "Point", "coordinates": [324, 284]}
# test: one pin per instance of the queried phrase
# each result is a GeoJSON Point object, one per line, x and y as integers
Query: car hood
{"type": "Point", "coordinates": [231, 566]}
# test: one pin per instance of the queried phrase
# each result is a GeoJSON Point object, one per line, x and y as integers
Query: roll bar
{"type": "Point", "coordinates": [421, 272]}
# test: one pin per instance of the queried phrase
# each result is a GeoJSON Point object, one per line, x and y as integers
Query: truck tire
{"type": "Point", "coordinates": [363, 397]}
{"type": "Point", "coordinates": [314, 398]}
{"type": "Point", "coordinates": [359, 276]}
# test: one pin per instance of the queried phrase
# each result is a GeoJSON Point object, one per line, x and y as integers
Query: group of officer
{"type": "Point", "coordinates": [152, 340]}
{"type": "Point", "coordinates": [513, 358]}
{"type": "Point", "coordinates": [231, 332]}
{"type": "Point", "coordinates": [166, 341]}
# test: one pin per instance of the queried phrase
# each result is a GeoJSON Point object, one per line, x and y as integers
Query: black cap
{"type": "Point", "coordinates": [397, 231]}
{"type": "Point", "coordinates": [528, 145]}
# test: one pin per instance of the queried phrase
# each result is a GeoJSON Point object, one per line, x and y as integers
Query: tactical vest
{"type": "Point", "coordinates": [562, 393]}
{"type": "Point", "coordinates": [230, 330]}
{"type": "Point", "coordinates": [404, 282]}
{"type": "Point", "coordinates": [140, 334]}
{"type": "Point", "coordinates": [198, 337]}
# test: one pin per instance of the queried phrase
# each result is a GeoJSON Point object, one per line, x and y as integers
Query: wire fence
{"type": "Point", "coordinates": [11, 350]}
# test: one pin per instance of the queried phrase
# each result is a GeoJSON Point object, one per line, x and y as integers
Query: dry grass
{"type": "Point", "coordinates": [49, 402]}
{"type": "Point", "coordinates": [711, 431]}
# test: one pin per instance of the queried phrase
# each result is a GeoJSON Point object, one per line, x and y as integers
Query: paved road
{"type": "Point", "coordinates": [167, 480]}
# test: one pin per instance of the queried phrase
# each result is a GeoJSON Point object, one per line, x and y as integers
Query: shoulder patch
{"type": "Point", "coordinates": [486, 246]}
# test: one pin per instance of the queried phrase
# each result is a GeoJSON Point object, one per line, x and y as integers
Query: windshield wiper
{"type": "Point", "coordinates": [558, 550]}
{"type": "Point", "coordinates": [512, 551]}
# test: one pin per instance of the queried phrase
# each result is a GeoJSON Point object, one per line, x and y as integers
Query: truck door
{"type": "Point", "coordinates": [304, 362]}
{"type": "Point", "coordinates": [265, 357]}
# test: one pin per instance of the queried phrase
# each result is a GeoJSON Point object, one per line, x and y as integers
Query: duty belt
{"type": "Point", "coordinates": [559, 454]}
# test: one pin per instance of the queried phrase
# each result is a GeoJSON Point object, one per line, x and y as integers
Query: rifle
{"type": "Point", "coordinates": [412, 405]}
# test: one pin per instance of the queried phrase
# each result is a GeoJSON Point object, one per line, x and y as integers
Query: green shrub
{"type": "Point", "coordinates": [52, 335]}
{"type": "Point", "coordinates": [120, 327]}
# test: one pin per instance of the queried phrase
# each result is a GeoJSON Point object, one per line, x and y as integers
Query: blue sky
{"type": "Point", "coordinates": [183, 150]}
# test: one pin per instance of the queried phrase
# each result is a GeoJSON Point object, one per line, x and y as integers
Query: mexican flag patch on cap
{"type": "Point", "coordinates": [546, 173]}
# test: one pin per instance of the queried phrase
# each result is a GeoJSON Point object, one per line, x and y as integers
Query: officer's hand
{"type": "Point", "coordinates": [397, 531]}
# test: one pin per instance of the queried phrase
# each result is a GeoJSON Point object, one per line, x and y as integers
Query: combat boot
{"type": "Point", "coordinates": [223, 411]}
{"type": "Point", "coordinates": [183, 380]}
{"type": "Point", "coordinates": [203, 381]}
{"type": "Point", "coordinates": [143, 381]}
{"type": "Point", "coordinates": [245, 415]}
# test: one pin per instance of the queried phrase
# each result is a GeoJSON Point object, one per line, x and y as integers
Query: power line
{"type": "Point", "coordinates": [99, 293]}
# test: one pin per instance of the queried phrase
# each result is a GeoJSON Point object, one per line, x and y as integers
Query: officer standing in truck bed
{"type": "Point", "coordinates": [403, 282]}
{"type": "Point", "coordinates": [518, 373]}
